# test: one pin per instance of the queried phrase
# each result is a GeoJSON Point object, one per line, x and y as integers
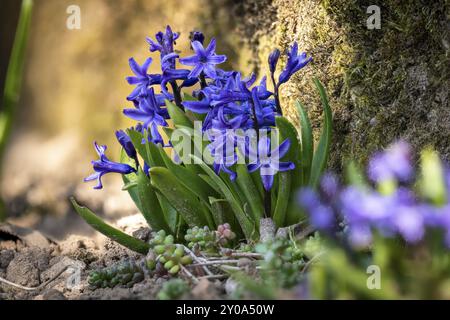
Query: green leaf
{"type": "Point", "coordinates": [284, 192]}
{"type": "Point", "coordinates": [177, 115]}
{"type": "Point", "coordinates": [136, 139]}
{"type": "Point", "coordinates": [151, 208]}
{"type": "Point", "coordinates": [148, 150]}
{"type": "Point", "coordinates": [222, 213]}
{"type": "Point", "coordinates": [170, 213]}
{"type": "Point", "coordinates": [432, 183]}
{"type": "Point", "coordinates": [307, 144]}
{"type": "Point", "coordinates": [354, 175]}
{"type": "Point", "coordinates": [286, 131]}
{"type": "Point", "coordinates": [249, 190]}
{"type": "Point", "coordinates": [322, 152]}
{"type": "Point", "coordinates": [130, 180]}
{"type": "Point", "coordinates": [189, 179]}
{"type": "Point", "coordinates": [13, 80]}
{"type": "Point", "coordinates": [248, 226]}
{"type": "Point", "coordinates": [109, 231]}
{"type": "Point", "coordinates": [181, 198]}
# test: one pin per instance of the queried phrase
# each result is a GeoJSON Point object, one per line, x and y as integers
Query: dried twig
{"type": "Point", "coordinates": [198, 260]}
{"type": "Point", "coordinates": [190, 275]}
{"type": "Point", "coordinates": [310, 262]}
{"type": "Point", "coordinates": [12, 284]}
{"type": "Point", "coordinates": [214, 262]}
{"type": "Point", "coordinates": [246, 254]}
{"type": "Point", "coordinates": [215, 276]}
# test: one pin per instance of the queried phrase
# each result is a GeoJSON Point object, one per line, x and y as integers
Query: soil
{"type": "Point", "coordinates": [33, 264]}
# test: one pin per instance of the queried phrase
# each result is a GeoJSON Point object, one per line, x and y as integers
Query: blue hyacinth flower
{"type": "Point", "coordinates": [268, 161]}
{"type": "Point", "coordinates": [204, 60]}
{"type": "Point", "coordinates": [295, 63]}
{"type": "Point", "coordinates": [141, 79]}
{"type": "Point", "coordinates": [104, 166]}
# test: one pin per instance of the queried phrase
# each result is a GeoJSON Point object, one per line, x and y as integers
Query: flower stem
{"type": "Point", "coordinates": [276, 95]}
{"type": "Point", "coordinates": [203, 83]}
{"type": "Point", "coordinates": [176, 94]}
{"type": "Point", "coordinates": [267, 203]}
{"type": "Point", "coordinates": [267, 194]}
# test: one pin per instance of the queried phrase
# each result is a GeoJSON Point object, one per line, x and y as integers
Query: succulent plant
{"type": "Point", "coordinates": [173, 257]}
{"type": "Point", "coordinates": [202, 239]}
{"type": "Point", "coordinates": [165, 256]}
{"type": "Point", "coordinates": [224, 234]}
{"type": "Point", "coordinates": [282, 261]}
{"type": "Point", "coordinates": [173, 289]}
{"type": "Point", "coordinates": [125, 273]}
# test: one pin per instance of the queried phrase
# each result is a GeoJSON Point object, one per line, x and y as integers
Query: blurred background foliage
{"type": "Point", "coordinates": [73, 92]}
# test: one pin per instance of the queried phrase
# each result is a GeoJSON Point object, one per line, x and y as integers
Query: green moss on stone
{"type": "Point", "coordinates": [383, 84]}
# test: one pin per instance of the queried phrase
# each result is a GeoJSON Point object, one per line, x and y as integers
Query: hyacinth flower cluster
{"type": "Point", "coordinates": [248, 161]}
{"type": "Point", "coordinates": [394, 219]}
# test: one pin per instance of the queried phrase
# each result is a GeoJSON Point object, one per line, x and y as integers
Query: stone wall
{"type": "Point", "coordinates": [383, 84]}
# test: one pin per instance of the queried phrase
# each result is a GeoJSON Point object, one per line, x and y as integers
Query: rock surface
{"type": "Point", "coordinates": [383, 84]}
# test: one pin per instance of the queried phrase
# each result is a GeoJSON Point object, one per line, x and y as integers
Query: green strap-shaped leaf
{"type": "Point", "coordinates": [286, 131]}
{"type": "Point", "coordinates": [13, 80]}
{"type": "Point", "coordinates": [323, 149]}
{"type": "Point", "coordinates": [307, 145]}
{"type": "Point", "coordinates": [248, 226]}
{"type": "Point", "coordinates": [109, 231]}
{"type": "Point", "coordinates": [170, 213]}
{"type": "Point", "coordinates": [151, 209]}
{"type": "Point", "coordinates": [282, 203]}
{"type": "Point", "coordinates": [148, 150]}
{"type": "Point", "coordinates": [130, 181]}
{"type": "Point", "coordinates": [188, 178]}
{"type": "Point", "coordinates": [354, 175]}
{"type": "Point", "coordinates": [210, 182]}
{"type": "Point", "coordinates": [249, 190]}
{"type": "Point", "coordinates": [181, 198]}
{"type": "Point", "coordinates": [177, 115]}
{"type": "Point", "coordinates": [222, 213]}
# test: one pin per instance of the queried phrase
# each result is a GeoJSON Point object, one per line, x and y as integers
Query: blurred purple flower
{"type": "Point", "coordinates": [394, 163]}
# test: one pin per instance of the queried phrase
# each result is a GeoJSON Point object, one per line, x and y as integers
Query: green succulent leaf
{"type": "Point", "coordinates": [120, 237]}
